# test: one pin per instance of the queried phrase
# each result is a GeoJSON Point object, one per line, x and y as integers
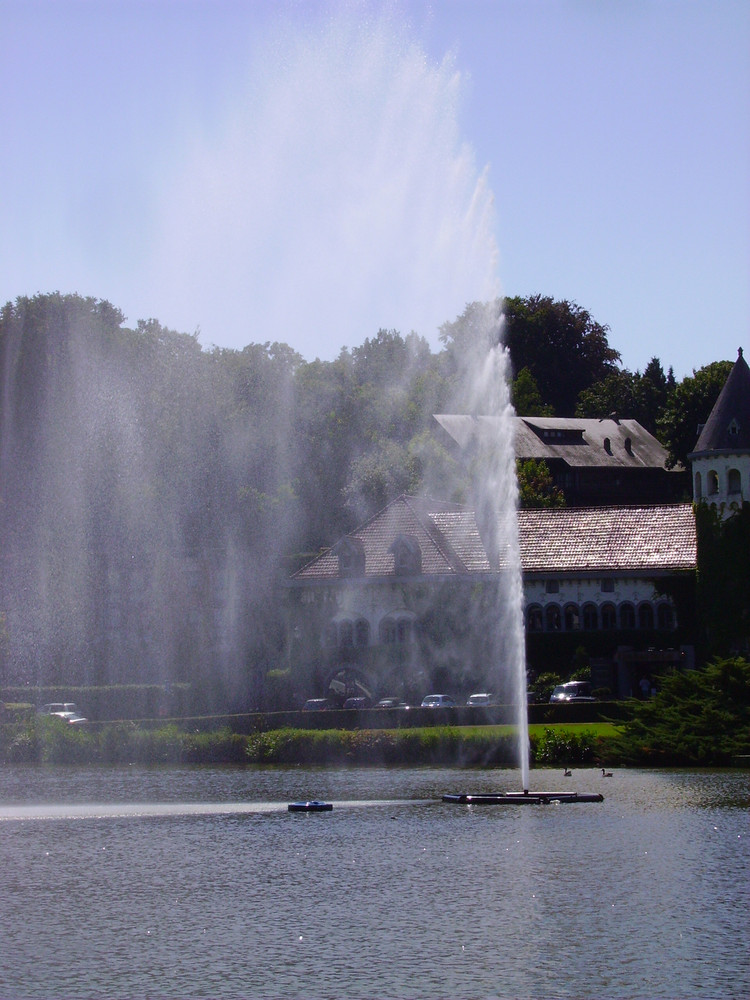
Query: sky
{"type": "Point", "coordinates": [312, 172]}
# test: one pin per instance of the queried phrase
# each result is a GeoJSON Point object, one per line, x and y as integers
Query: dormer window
{"type": "Point", "coordinates": [407, 555]}
{"type": "Point", "coordinates": [734, 428]}
{"type": "Point", "coordinates": [351, 556]}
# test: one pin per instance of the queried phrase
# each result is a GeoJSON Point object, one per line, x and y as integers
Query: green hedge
{"type": "Point", "coordinates": [40, 739]}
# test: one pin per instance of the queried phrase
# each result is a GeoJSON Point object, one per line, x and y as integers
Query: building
{"type": "Point", "coordinates": [721, 460]}
{"type": "Point", "coordinates": [595, 462]}
{"type": "Point", "coordinates": [399, 606]}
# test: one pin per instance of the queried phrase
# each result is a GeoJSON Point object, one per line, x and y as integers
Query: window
{"type": "Point", "coordinates": [590, 617]}
{"type": "Point", "coordinates": [362, 633]}
{"type": "Point", "coordinates": [697, 487]}
{"type": "Point", "coordinates": [534, 618]}
{"type": "Point", "coordinates": [609, 616]}
{"type": "Point", "coordinates": [552, 619]}
{"type": "Point", "coordinates": [350, 553]}
{"type": "Point", "coordinates": [734, 484]}
{"type": "Point", "coordinates": [331, 636]}
{"type": "Point", "coordinates": [645, 616]}
{"type": "Point", "coordinates": [627, 616]}
{"type": "Point", "coordinates": [665, 616]}
{"type": "Point", "coordinates": [388, 631]}
{"type": "Point", "coordinates": [346, 634]}
{"type": "Point", "coordinates": [608, 586]}
{"type": "Point", "coordinates": [552, 587]}
{"type": "Point", "coordinates": [403, 630]}
{"type": "Point", "coordinates": [571, 618]}
{"type": "Point", "coordinates": [713, 483]}
{"type": "Point", "coordinates": [407, 555]}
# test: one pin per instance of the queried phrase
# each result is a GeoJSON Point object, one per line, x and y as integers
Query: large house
{"type": "Point", "coordinates": [400, 606]}
{"type": "Point", "coordinates": [595, 462]}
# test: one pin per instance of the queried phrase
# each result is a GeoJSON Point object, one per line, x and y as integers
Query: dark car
{"type": "Point", "coordinates": [438, 701]}
{"type": "Point", "coordinates": [391, 703]}
{"type": "Point", "coordinates": [358, 703]}
{"type": "Point", "coordinates": [315, 705]}
{"type": "Point", "coordinates": [572, 691]}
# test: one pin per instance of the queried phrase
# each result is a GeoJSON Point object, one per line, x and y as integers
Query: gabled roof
{"type": "Point", "coordinates": [657, 539]}
{"type": "Point", "coordinates": [728, 425]}
{"type": "Point", "coordinates": [596, 443]}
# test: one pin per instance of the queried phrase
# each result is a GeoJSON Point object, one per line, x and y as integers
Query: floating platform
{"type": "Point", "coordinates": [310, 807]}
{"type": "Point", "coordinates": [524, 798]}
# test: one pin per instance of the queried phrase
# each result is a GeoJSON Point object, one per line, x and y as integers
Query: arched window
{"type": "Point", "coordinates": [331, 635]}
{"type": "Point", "coordinates": [552, 619]}
{"type": "Point", "coordinates": [645, 616]}
{"type": "Point", "coordinates": [388, 631]}
{"type": "Point", "coordinates": [627, 616]}
{"type": "Point", "coordinates": [713, 483]}
{"type": "Point", "coordinates": [571, 618]}
{"type": "Point", "coordinates": [697, 487]}
{"type": "Point", "coordinates": [609, 616]}
{"type": "Point", "coordinates": [665, 616]}
{"type": "Point", "coordinates": [534, 618]}
{"type": "Point", "coordinates": [403, 630]}
{"type": "Point", "coordinates": [346, 634]}
{"type": "Point", "coordinates": [362, 632]}
{"type": "Point", "coordinates": [733, 481]}
{"type": "Point", "coordinates": [590, 618]}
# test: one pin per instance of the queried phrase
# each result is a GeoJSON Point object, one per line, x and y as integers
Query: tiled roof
{"type": "Point", "coordinates": [656, 538]}
{"type": "Point", "coordinates": [634, 539]}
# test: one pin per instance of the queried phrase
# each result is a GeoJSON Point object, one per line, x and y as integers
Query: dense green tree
{"type": "Point", "coordinates": [536, 487]}
{"type": "Point", "coordinates": [724, 578]}
{"type": "Point", "coordinates": [526, 398]}
{"type": "Point", "coordinates": [630, 396]}
{"type": "Point", "coordinates": [698, 717]}
{"type": "Point", "coordinates": [688, 407]}
{"type": "Point", "coordinates": [565, 349]}
{"type": "Point", "coordinates": [561, 345]}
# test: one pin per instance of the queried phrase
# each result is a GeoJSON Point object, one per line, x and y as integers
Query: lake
{"type": "Point", "coordinates": [198, 882]}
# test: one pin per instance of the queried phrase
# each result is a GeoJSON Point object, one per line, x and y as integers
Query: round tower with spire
{"type": "Point", "coordinates": [721, 459]}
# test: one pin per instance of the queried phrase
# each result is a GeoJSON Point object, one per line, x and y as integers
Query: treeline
{"type": "Point", "coordinates": [152, 492]}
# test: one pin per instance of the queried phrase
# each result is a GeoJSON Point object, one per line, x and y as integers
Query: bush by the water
{"type": "Point", "coordinates": [699, 717]}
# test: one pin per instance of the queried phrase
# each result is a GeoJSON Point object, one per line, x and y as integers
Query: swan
{"type": "Point", "coordinates": [606, 774]}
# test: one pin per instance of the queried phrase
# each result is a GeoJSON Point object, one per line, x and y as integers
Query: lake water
{"type": "Point", "coordinates": [177, 882]}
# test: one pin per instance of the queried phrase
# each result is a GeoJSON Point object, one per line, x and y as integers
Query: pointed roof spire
{"type": "Point", "coordinates": [728, 426]}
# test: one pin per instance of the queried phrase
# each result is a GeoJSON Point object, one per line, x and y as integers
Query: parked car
{"type": "Point", "coordinates": [358, 703]}
{"type": "Point", "coordinates": [315, 705]}
{"type": "Point", "coordinates": [438, 701]}
{"type": "Point", "coordinates": [391, 703]}
{"type": "Point", "coordinates": [572, 691]}
{"type": "Point", "coordinates": [65, 710]}
{"type": "Point", "coordinates": [482, 698]}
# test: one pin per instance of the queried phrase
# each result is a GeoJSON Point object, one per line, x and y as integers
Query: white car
{"type": "Point", "coordinates": [483, 698]}
{"type": "Point", "coordinates": [65, 710]}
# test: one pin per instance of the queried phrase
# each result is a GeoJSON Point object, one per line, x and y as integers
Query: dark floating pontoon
{"type": "Point", "coordinates": [310, 807]}
{"type": "Point", "coordinates": [523, 798]}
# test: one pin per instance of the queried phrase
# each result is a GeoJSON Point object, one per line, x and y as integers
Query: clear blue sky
{"type": "Point", "coordinates": [309, 173]}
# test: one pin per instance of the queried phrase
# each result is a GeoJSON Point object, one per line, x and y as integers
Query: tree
{"type": "Point", "coordinates": [688, 407]}
{"type": "Point", "coordinates": [526, 398]}
{"type": "Point", "coordinates": [536, 487]}
{"type": "Point", "coordinates": [551, 338]}
{"type": "Point", "coordinates": [631, 396]}
{"type": "Point", "coordinates": [699, 717]}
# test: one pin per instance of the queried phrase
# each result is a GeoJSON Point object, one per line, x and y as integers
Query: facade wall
{"type": "Point", "coordinates": [722, 480]}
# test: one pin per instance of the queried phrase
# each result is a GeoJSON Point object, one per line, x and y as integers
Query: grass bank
{"type": "Point", "coordinates": [50, 741]}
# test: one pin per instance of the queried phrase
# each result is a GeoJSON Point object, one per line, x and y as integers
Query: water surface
{"type": "Point", "coordinates": [177, 882]}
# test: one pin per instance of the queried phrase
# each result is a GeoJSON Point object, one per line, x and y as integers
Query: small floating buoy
{"type": "Point", "coordinates": [310, 807]}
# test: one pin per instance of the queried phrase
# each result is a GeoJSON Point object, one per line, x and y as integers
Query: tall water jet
{"type": "Point", "coordinates": [490, 454]}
